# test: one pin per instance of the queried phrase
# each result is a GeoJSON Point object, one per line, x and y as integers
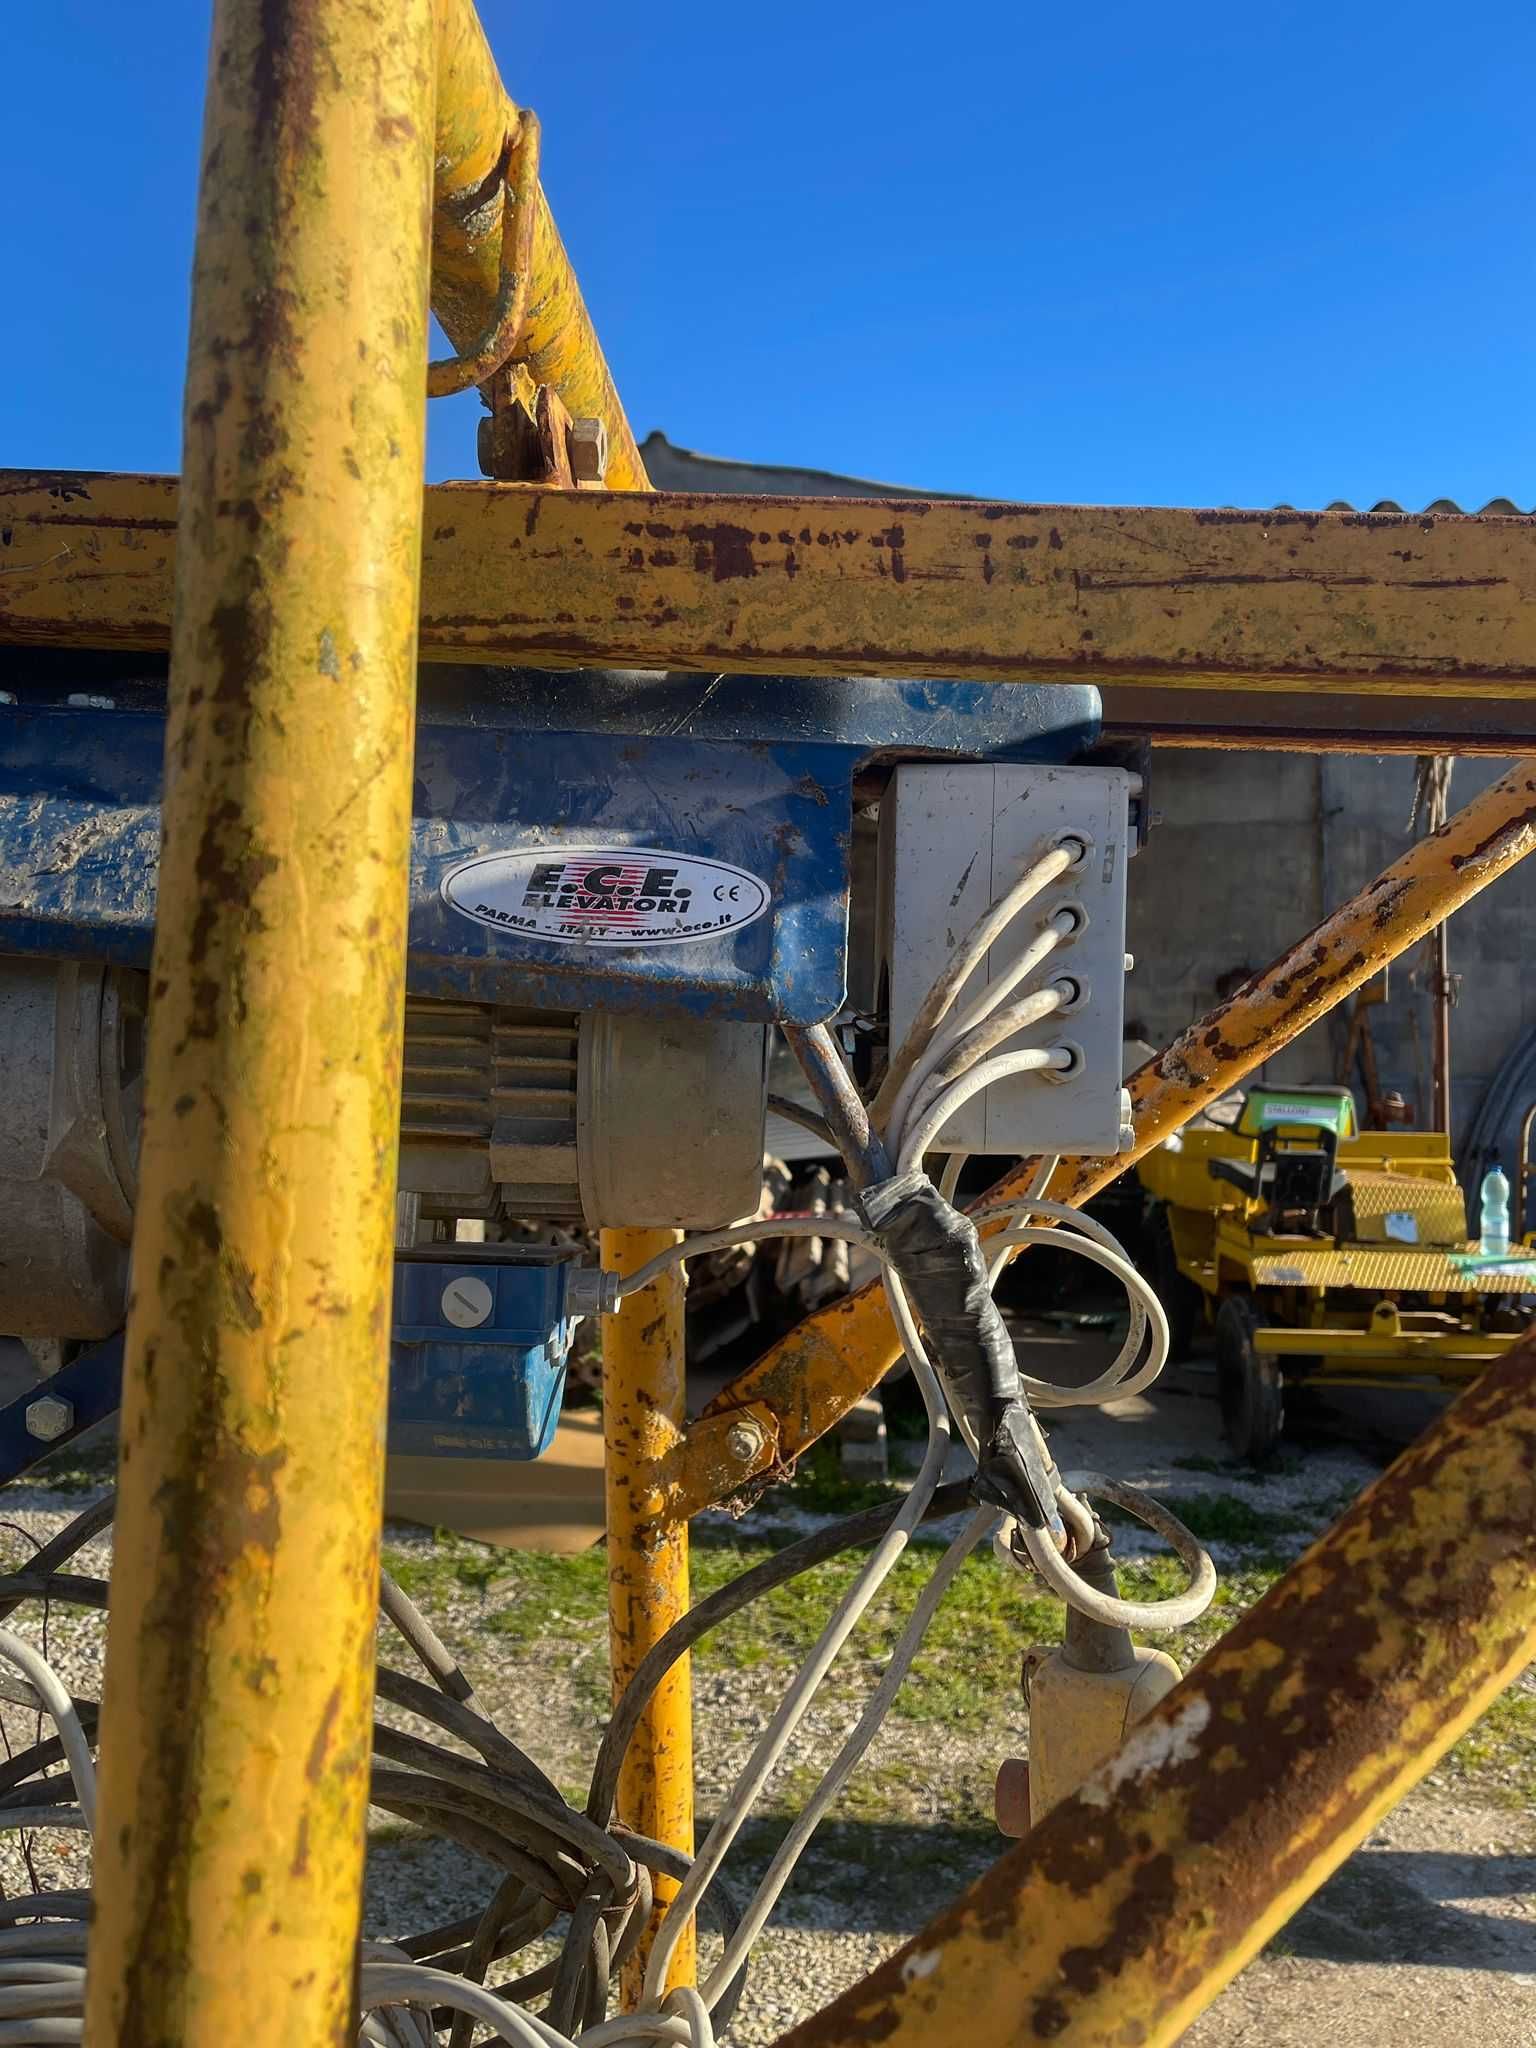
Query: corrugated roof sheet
{"type": "Point", "coordinates": [674, 468]}
{"type": "Point", "coordinates": [1505, 507]}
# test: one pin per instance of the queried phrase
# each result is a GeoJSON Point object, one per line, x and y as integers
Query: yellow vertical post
{"type": "Point", "coordinates": [236, 1719]}
{"type": "Point", "coordinates": [643, 1419]}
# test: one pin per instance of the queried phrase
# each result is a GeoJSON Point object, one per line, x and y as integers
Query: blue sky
{"type": "Point", "coordinates": [1188, 255]}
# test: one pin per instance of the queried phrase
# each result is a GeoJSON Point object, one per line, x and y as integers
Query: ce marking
{"type": "Point", "coordinates": [728, 892]}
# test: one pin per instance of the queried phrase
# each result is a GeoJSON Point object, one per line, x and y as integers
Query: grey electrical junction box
{"type": "Point", "coordinates": [952, 840]}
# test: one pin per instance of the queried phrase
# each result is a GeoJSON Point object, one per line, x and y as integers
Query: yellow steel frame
{"type": "Point", "coordinates": [1438, 1354]}
{"type": "Point", "coordinates": [237, 1697]}
{"type": "Point", "coordinates": [1137, 598]}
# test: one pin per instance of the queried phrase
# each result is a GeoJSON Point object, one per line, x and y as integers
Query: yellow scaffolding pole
{"type": "Point", "coordinates": [643, 1419]}
{"type": "Point", "coordinates": [1136, 1900]}
{"type": "Point", "coordinates": [476, 122]}
{"type": "Point", "coordinates": [237, 1715]}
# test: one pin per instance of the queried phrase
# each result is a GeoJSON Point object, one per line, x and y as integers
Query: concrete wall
{"type": "Point", "coordinates": [1253, 848]}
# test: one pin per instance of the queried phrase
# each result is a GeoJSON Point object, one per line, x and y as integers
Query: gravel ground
{"type": "Point", "coordinates": [1427, 1932]}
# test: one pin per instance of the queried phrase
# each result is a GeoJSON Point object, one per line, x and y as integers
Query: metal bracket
{"type": "Point", "coordinates": [90, 1386]}
{"type": "Point", "coordinates": [520, 175]}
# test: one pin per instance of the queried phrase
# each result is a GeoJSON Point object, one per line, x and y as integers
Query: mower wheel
{"type": "Point", "coordinates": [1183, 1303]}
{"type": "Point", "coordinates": [1248, 1384]}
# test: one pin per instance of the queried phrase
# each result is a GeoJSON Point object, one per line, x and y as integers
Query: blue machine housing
{"type": "Point", "coordinates": [491, 1390]}
{"type": "Point", "coordinates": [760, 772]}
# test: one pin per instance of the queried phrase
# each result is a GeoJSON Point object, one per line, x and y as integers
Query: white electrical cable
{"type": "Point", "coordinates": [60, 1709]}
{"type": "Point", "coordinates": [640, 2026]}
{"type": "Point", "coordinates": [954, 1166]}
{"type": "Point", "coordinates": [1109, 1386]}
{"type": "Point", "coordinates": [1051, 1565]}
{"type": "Point", "coordinates": [941, 1065]}
{"type": "Point", "coordinates": [830, 1223]}
{"type": "Point", "coordinates": [809, 1818]}
{"type": "Point", "coordinates": [775, 1738]}
{"type": "Point", "coordinates": [942, 1072]}
{"type": "Point", "coordinates": [1177, 1612]}
{"type": "Point", "coordinates": [1056, 930]}
{"type": "Point", "coordinates": [957, 970]}
{"type": "Point", "coordinates": [416, 1984]}
{"type": "Point", "coordinates": [1033, 1060]}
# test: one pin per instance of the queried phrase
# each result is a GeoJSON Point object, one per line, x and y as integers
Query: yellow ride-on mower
{"type": "Point", "coordinates": [1323, 1255]}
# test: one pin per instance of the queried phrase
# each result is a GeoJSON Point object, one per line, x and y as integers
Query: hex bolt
{"type": "Point", "coordinates": [744, 1439]}
{"type": "Point", "coordinates": [587, 445]}
{"type": "Point", "coordinates": [50, 1417]}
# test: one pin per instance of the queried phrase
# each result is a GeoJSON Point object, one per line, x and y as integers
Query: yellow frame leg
{"type": "Point", "coordinates": [643, 1419]}
{"type": "Point", "coordinates": [236, 1724]}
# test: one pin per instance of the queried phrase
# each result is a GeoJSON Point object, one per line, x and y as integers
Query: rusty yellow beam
{"type": "Point", "coordinates": [806, 1383]}
{"type": "Point", "coordinates": [644, 1390]}
{"type": "Point", "coordinates": [559, 347]}
{"type": "Point", "coordinates": [1131, 598]}
{"type": "Point", "coordinates": [237, 1714]}
{"type": "Point", "coordinates": [1124, 1913]}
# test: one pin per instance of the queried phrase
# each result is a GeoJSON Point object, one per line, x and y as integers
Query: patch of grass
{"type": "Point", "coordinates": [1500, 1752]}
{"type": "Point", "coordinates": [72, 1470]}
{"type": "Point", "coordinates": [975, 1645]}
{"type": "Point", "coordinates": [820, 1488]}
{"type": "Point", "coordinates": [1158, 1578]}
{"type": "Point", "coordinates": [1222, 1518]}
{"type": "Point", "coordinates": [452, 1565]}
{"type": "Point", "coordinates": [527, 1595]}
{"type": "Point", "coordinates": [539, 1595]}
{"type": "Point", "coordinates": [1226, 1518]}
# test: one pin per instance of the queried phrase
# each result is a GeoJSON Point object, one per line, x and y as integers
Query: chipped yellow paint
{"type": "Point", "coordinates": [1136, 598]}
{"type": "Point", "coordinates": [237, 1715]}
{"type": "Point", "coordinates": [644, 1386]}
{"type": "Point", "coordinates": [1135, 1901]}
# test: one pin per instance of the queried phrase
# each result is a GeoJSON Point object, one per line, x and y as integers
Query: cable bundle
{"type": "Point", "coordinates": [567, 1874]}
{"type": "Point", "coordinates": [577, 1877]}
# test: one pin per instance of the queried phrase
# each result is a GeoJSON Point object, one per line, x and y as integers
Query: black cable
{"type": "Point", "coordinates": [72, 1537]}
{"type": "Point", "coordinates": [496, 1804]}
{"type": "Point", "coordinates": [851, 1533]}
{"type": "Point", "coordinates": [423, 1639]}
{"type": "Point", "coordinates": [808, 1119]}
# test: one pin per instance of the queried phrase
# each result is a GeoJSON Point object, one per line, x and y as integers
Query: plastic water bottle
{"type": "Point", "coordinates": [1493, 1220]}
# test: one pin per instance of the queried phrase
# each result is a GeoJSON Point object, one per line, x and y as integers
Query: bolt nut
{"type": "Point", "coordinates": [744, 1440]}
{"type": "Point", "coordinates": [50, 1417]}
{"type": "Point", "coordinates": [1072, 1065]}
{"type": "Point", "coordinates": [587, 445]}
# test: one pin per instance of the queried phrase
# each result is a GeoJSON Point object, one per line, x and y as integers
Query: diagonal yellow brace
{"type": "Point", "coordinates": [1121, 1916]}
